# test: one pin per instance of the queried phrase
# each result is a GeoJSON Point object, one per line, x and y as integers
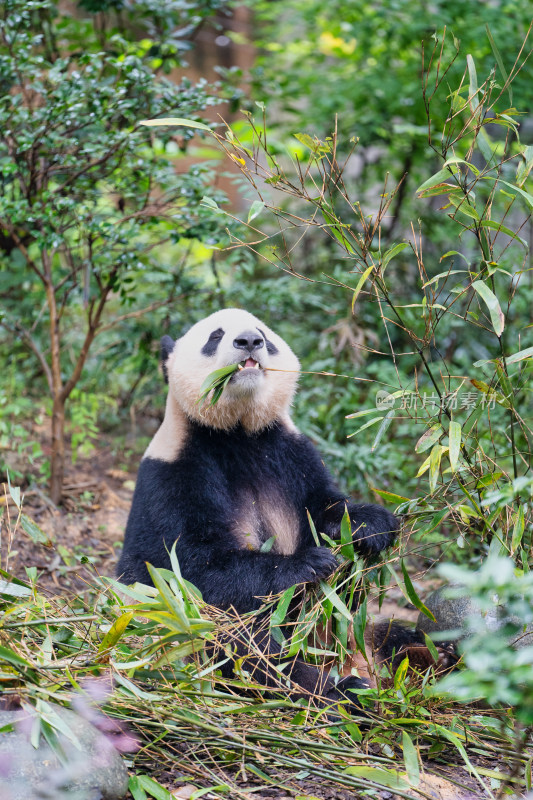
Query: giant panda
{"type": "Point", "coordinates": [220, 480]}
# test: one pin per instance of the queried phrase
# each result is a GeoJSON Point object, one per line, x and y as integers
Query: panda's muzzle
{"type": "Point", "coordinates": [249, 341]}
{"type": "Point", "coordinates": [252, 343]}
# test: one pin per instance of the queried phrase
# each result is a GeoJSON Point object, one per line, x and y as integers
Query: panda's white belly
{"type": "Point", "coordinates": [258, 518]}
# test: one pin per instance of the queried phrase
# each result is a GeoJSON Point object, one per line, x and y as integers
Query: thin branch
{"type": "Point", "coordinates": [32, 344]}
{"type": "Point", "coordinates": [139, 313]}
{"type": "Point", "coordinates": [23, 249]}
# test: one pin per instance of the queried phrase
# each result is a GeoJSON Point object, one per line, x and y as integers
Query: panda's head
{"type": "Point", "coordinates": [257, 394]}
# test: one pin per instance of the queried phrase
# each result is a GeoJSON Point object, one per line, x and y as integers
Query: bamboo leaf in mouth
{"type": "Point", "coordinates": [216, 382]}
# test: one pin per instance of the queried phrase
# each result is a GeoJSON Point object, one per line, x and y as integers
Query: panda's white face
{"type": "Point", "coordinates": [257, 394]}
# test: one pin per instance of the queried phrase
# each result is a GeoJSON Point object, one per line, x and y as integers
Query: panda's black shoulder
{"type": "Point", "coordinates": [274, 451]}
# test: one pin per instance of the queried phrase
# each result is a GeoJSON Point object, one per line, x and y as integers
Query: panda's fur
{"type": "Point", "coordinates": [220, 480]}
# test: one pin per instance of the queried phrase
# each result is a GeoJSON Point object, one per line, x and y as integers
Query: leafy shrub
{"type": "Point", "coordinates": [91, 209]}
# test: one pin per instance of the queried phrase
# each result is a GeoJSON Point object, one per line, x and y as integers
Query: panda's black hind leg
{"type": "Point", "coordinates": [393, 640]}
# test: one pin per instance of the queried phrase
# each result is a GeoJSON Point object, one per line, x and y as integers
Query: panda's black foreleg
{"type": "Point", "coordinates": [240, 578]}
{"type": "Point", "coordinates": [261, 657]}
{"type": "Point", "coordinates": [373, 527]}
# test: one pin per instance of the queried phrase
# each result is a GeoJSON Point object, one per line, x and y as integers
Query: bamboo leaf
{"type": "Point", "coordinates": [518, 530]}
{"type": "Point", "coordinates": [362, 413]}
{"type": "Point", "coordinates": [491, 394]}
{"type": "Point", "coordinates": [455, 739]}
{"type": "Point", "coordinates": [490, 223]}
{"type": "Point", "coordinates": [347, 549]}
{"type": "Point", "coordinates": [366, 425]}
{"type": "Point", "coordinates": [412, 595]}
{"type": "Point", "coordinates": [278, 616]}
{"type": "Point", "coordinates": [499, 61]}
{"type": "Point", "coordinates": [430, 644]}
{"type": "Point", "coordinates": [210, 203]}
{"type": "Point", "coordinates": [360, 283]}
{"type": "Point", "coordinates": [492, 303]}
{"type": "Point", "coordinates": [434, 466]}
{"type": "Point", "coordinates": [154, 788]}
{"type": "Point", "coordinates": [267, 545]}
{"type": "Point", "coordinates": [136, 789]}
{"type": "Point", "coordinates": [49, 714]}
{"type": "Point", "coordinates": [14, 492]}
{"type": "Point", "coordinates": [255, 209]}
{"type": "Point", "coordinates": [457, 160]}
{"type": "Point", "coordinates": [429, 438]}
{"type": "Point", "coordinates": [410, 759]}
{"type": "Point", "coordinates": [527, 197]}
{"type": "Point", "coordinates": [313, 529]}
{"type": "Point", "coordinates": [382, 428]}
{"type": "Point", "coordinates": [379, 775]}
{"type": "Point", "coordinates": [359, 625]}
{"type": "Point", "coordinates": [14, 590]}
{"type": "Point", "coordinates": [525, 167]}
{"type": "Point", "coordinates": [186, 123]}
{"type": "Point", "coordinates": [454, 443]}
{"type": "Point", "coordinates": [473, 88]}
{"type": "Point", "coordinates": [437, 179]}
{"type": "Point", "coordinates": [400, 674]}
{"type": "Point", "coordinates": [34, 532]}
{"type": "Point", "coordinates": [334, 599]}
{"type": "Point", "coordinates": [169, 599]}
{"type": "Point", "coordinates": [114, 634]}
{"type": "Point", "coordinates": [6, 654]}
{"type": "Point", "coordinates": [448, 274]}
{"type": "Point", "coordinates": [336, 227]}
{"type": "Point", "coordinates": [306, 140]}
{"type": "Point", "coordinates": [391, 497]}
{"type": "Point", "coordinates": [392, 252]}
{"type": "Point", "coordinates": [520, 356]}
{"type": "Point", "coordinates": [464, 204]}
{"type": "Point", "coordinates": [216, 382]}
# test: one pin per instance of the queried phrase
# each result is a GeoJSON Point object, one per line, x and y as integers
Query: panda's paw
{"type": "Point", "coordinates": [374, 528]}
{"type": "Point", "coordinates": [317, 563]}
{"type": "Point", "coordinates": [351, 682]}
{"type": "Point", "coordinates": [342, 692]}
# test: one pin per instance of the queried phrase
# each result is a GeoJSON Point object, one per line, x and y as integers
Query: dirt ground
{"type": "Point", "coordinates": [90, 522]}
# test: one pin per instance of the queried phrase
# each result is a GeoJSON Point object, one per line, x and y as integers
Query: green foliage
{"type": "Point", "coordinates": [92, 213]}
{"type": "Point", "coordinates": [495, 671]}
{"type": "Point", "coordinates": [89, 172]}
{"type": "Point", "coordinates": [21, 454]}
{"type": "Point", "coordinates": [475, 414]}
{"type": "Point", "coordinates": [362, 63]}
{"type": "Point", "coordinates": [85, 412]}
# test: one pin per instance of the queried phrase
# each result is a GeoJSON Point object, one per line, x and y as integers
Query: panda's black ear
{"type": "Point", "coordinates": [167, 346]}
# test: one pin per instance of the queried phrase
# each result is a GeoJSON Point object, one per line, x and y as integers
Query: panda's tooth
{"type": "Point", "coordinates": [256, 366]}
{"type": "Point", "coordinates": [240, 366]}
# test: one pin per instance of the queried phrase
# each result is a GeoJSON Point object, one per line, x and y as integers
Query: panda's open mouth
{"type": "Point", "coordinates": [250, 363]}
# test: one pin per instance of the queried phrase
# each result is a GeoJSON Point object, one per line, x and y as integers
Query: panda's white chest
{"type": "Point", "coordinates": [260, 518]}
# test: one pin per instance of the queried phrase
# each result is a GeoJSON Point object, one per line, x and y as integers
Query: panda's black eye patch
{"type": "Point", "coordinates": [272, 350]}
{"type": "Point", "coordinates": [210, 347]}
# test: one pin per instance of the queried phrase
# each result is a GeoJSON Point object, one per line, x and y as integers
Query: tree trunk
{"type": "Point", "coordinates": [57, 459]}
